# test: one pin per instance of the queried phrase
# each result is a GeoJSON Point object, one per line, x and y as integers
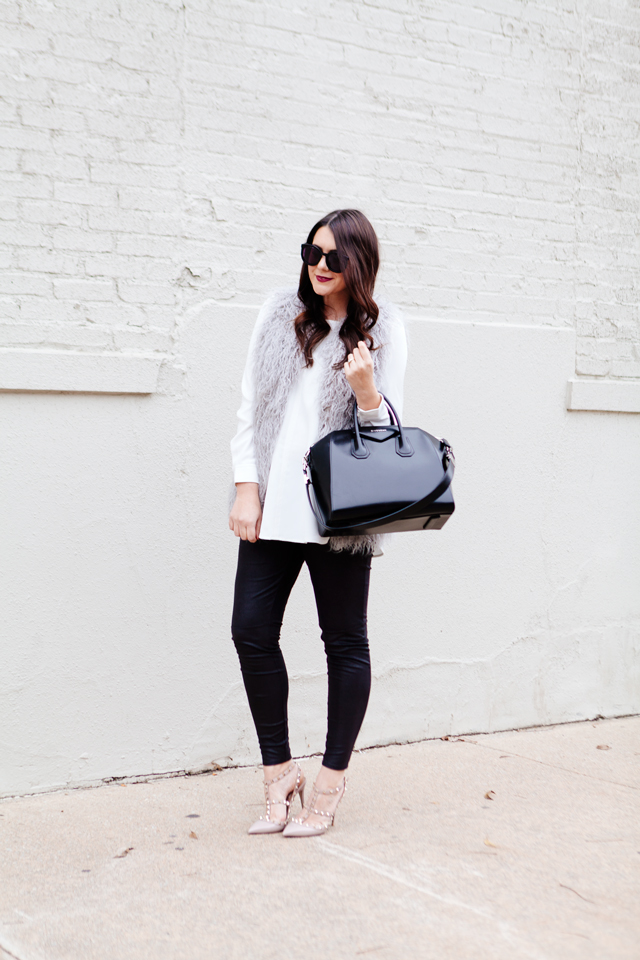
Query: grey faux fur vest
{"type": "Point", "coordinates": [278, 362]}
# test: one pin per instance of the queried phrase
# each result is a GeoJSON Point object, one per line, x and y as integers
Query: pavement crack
{"type": "Point", "coordinates": [5, 951]}
{"type": "Point", "coordinates": [392, 873]}
{"type": "Point", "coordinates": [398, 876]}
{"type": "Point", "coordinates": [586, 899]}
{"type": "Point", "coordinates": [557, 766]}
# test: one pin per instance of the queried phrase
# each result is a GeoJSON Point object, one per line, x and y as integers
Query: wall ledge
{"type": "Point", "coordinates": [67, 371]}
{"type": "Point", "coordinates": [614, 396]}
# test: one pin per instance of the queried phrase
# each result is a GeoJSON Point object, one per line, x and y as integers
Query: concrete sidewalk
{"type": "Point", "coordinates": [421, 863]}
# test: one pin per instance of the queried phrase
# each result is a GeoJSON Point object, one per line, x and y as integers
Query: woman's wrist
{"type": "Point", "coordinates": [246, 488]}
{"type": "Point", "coordinates": [369, 400]}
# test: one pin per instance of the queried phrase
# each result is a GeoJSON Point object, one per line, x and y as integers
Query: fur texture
{"type": "Point", "coordinates": [279, 360]}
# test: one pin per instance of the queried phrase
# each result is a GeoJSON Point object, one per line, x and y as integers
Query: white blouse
{"type": "Point", "coordinates": [286, 514]}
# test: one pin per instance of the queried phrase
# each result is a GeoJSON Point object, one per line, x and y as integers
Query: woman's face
{"type": "Point", "coordinates": [323, 281]}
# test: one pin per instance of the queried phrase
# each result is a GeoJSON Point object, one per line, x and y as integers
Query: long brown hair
{"type": "Point", "coordinates": [356, 237]}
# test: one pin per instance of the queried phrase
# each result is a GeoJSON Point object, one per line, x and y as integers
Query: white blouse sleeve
{"type": "Point", "coordinates": [242, 448]}
{"type": "Point", "coordinates": [392, 381]}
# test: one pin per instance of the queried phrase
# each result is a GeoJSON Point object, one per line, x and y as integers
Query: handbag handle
{"type": "Point", "coordinates": [359, 448]}
{"type": "Point", "coordinates": [444, 484]}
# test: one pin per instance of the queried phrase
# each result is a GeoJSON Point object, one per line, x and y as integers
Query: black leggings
{"type": "Point", "coordinates": [267, 571]}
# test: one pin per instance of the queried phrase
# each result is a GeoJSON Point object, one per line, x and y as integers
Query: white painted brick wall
{"type": "Point", "coordinates": [155, 154]}
{"type": "Point", "coordinates": [160, 163]}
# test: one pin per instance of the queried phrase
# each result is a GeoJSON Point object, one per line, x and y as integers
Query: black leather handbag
{"type": "Point", "coordinates": [379, 479]}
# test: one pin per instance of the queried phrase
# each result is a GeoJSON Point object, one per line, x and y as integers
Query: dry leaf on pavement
{"type": "Point", "coordinates": [123, 852]}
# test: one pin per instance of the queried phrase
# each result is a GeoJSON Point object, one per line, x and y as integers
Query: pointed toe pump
{"type": "Point", "coordinates": [270, 823]}
{"type": "Point", "coordinates": [300, 827]}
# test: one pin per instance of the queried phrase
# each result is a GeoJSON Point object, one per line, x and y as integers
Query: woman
{"type": "Point", "coordinates": [311, 351]}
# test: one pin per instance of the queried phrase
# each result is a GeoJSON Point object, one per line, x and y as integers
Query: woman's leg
{"type": "Point", "coordinates": [267, 571]}
{"type": "Point", "coordinates": [341, 587]}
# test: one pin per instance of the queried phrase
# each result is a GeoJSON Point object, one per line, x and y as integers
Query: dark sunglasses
{"type": "Point", "coordinates": [312, 254]}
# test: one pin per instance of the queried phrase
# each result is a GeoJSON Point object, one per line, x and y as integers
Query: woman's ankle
{"type": "Point", "coordinates": [329, 779]}
{"type": "Point", "coordinates": [275, 770]}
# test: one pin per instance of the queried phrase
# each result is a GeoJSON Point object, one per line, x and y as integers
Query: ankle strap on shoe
{"type": "Point", "coordinates": [332, 792]}
{"type": "Point", "coordinates": [312, 809]}
{"type": "Point", "coordinates": [281, 776]}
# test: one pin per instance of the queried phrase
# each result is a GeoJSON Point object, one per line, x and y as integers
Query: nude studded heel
{"type": "Point", "coordinates": [298, 826]}
{"type": "Point", "coordinates": [268, 825]}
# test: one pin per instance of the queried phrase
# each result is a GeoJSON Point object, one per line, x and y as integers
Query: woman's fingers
{"type": "Point", "coordinates": [360, 359]}
{"type": "Point", "coordinates": [239, 527]}
{"type": "Point", "coordinates": [246, 529]}
{"type": "Point", "coordinates": [363, 352]}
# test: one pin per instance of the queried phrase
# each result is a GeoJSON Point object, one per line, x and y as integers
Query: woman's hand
{"type": "Point", "coordinates": [359, 372]}
{"type": "Point", "coordinates": [246, 514]}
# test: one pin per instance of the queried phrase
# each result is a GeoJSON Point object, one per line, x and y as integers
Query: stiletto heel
{"type": "Point", "coordinates": [298, 826]}
{"type": "Point", "coordinates": [266, 824]}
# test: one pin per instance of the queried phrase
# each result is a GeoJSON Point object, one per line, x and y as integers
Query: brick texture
{"type": "Point", "coordinates": [160, 153]}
